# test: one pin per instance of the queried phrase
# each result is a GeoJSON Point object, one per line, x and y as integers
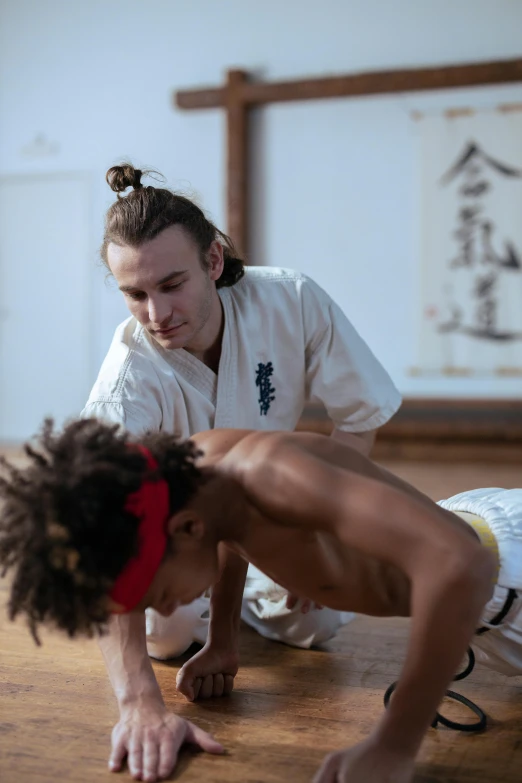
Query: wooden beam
{"type": "Point", "coordinates": [358, 84]}
{"type": "Point", "coordinates": [237, 161]}
{"type": "Point", "coordinates": [437, 430]}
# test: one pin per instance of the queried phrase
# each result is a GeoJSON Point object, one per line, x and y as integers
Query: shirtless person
{"type": "Point", "coordinates": [317, 516]}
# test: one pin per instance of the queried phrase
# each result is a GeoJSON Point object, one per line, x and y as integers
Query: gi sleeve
{"type": "Point", "coordinates": [341, 370]}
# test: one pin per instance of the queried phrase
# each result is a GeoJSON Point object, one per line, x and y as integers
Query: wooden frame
{"type": "Point", "coordinates": [422, 427]}
{"type": "Point", "coordinates": [240, 94]}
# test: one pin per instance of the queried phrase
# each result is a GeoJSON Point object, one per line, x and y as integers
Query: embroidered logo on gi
{"type": "Point", "coordinates": [266, 390]}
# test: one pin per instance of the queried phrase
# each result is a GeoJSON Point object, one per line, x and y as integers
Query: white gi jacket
{"type": "Point", "coordinates": [285, 342]}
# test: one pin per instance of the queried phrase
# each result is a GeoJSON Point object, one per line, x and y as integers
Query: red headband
{"type": "Point", "coordinates": [150, 503]}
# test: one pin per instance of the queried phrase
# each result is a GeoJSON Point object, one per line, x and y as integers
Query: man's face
{"type": "Point", "coordinates": [167, 290]}
{"type": "Point", "coordinates": [182, 577]}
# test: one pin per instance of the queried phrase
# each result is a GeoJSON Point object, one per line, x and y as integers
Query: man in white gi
{"type": "Point", "coordinates": [213, 344]}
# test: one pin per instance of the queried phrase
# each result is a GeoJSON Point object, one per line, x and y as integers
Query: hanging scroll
{"type": "Point", "coordinates": [470, 305]}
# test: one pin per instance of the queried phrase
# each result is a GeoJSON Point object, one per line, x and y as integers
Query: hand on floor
{"type": "Point", "coordinates": [150, 738]}
{"type": "Point", "coordinates": [210, 672]}
{"type": "Point", "coordinates": [306, 603]}
{"type": "Point", "coordinates": [366, 763]}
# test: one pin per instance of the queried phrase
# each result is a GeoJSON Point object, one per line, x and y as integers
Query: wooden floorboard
{"type": "Point", "coordinates": [289, 709]}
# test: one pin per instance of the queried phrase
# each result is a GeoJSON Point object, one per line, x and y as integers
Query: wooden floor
{"type": "Point", "coordinates": [289, 709]}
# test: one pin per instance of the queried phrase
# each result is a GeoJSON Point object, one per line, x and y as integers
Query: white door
{"type": "Point", "coordinates": [44, 301]}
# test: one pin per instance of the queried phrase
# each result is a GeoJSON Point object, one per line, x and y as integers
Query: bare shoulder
{"type": "Point", "coordinates": [272, 447]}
{"type": "Point", "coordinates": [255, 455]}
{"type": "Point", "coordinates": [244, 453]}
{"type": "Point", "coordinates": [216, 444]}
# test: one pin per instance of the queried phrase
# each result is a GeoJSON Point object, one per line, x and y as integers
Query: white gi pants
{"type": "Point", "coordinates": [501, 647]}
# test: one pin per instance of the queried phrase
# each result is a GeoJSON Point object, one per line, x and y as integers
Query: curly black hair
{"type": "Point", "coordinates": [65, 534]}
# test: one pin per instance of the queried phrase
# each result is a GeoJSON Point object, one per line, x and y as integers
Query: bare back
{"type": "Point", "coordinates": [307, 561]}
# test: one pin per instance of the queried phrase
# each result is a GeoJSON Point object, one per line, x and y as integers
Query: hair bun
{"type": "Point", "coordinates": [124, 176]}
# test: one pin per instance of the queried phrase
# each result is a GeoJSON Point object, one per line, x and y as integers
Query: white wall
{"type": "Point", "coordinates": [335, 181]}
{"type": "Point", "coordinates": [39, 373]}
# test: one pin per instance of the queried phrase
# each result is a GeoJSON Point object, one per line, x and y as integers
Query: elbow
{"type": "Point", "coordinates": [471, 571]}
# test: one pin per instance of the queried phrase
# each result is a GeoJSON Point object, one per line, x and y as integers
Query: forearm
{"type": "Point", "coordinates": [124, 650]}
{"type": "Point", "coordinates": [446, 611]}
{"type": "Point", "coordinates": [361, 441]}
{"type": "Point", "coordinates": [226, 598]}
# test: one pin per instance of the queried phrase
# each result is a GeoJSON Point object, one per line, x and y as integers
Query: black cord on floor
{"type": "Point", "coordinates": [479, 725]}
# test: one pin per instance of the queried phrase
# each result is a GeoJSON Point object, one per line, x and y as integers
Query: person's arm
{"type": "Point", "coordinates": [147, 734]}
{"type": "Point", "coordinates": [226, 599]}
{"type": "Point", "coordinates": [124, 650]}
{"type": "Point", "coordinates": [123, 645]}
{"type": "Point", "coordinates": [450, 573]}
{"type": "Point", "coordinates": [211, 671]}
{"type": "Point", "coordinates": [342, 372]}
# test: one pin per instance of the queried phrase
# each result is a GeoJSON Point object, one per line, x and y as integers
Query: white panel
{"type": "Point", "coordinates": [44, 301]}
